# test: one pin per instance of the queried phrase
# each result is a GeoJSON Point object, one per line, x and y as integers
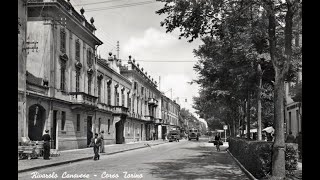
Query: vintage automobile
{"type": "Point", "coordinates": [193, 134]}
{"type": "Point", "coordinates": [174, 135]}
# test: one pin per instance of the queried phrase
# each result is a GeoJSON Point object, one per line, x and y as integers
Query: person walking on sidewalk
{"type": "Point", "coordinates": [102, 143]}
{"type": "Point", "coordinates": [217, 142]}
{"type": "Point", "coordinates": [96, 143]}
{"type": "Point", "coordinates": [46, 145]}
{"type": "Point", "coordinates": [290, 138]}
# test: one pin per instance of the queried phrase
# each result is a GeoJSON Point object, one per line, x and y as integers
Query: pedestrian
{"type": "Point", "coordinates": [96, 143]}
{"type": "Point", "coordinates": [46, 145]}
{"type": "Point", "coordinates": [290, 138]}
{"type": "Point", "coordinates": [102, 142]}
{"type": "Point", "coordinates": [217, 141]}
{"type": "Point", "coordinates": [154, 136]}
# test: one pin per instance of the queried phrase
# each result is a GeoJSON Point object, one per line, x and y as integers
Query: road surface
{"type": "Point", "coordinates": [173, 160]}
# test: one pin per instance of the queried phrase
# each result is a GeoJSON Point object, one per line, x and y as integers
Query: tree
{"type": "Point", "coordinates": [207, 18]}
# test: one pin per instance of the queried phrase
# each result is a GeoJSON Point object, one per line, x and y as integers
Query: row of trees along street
{"type": "Point", "coordinates": [246, 57]}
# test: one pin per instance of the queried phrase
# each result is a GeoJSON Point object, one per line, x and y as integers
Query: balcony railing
{"type": "Point", "coordinates": [105, 107]}
{"type": "Point", "coordinates": [83, 98]}
{"type": "Point", "coordinates": [120, 110]}
{"type": "Point", "coordinates": [152, 101]}
{"type": "Point", "coordinates": [149, 118]}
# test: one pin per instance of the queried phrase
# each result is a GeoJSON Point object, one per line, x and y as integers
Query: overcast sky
{"type": "Point", "coordinates": [138, 30]}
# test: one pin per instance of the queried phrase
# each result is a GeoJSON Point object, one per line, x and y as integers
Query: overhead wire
{"type": "Point", "coordinates": [121, 6]}
{"type": "Point", "coordinates": [102, 2]}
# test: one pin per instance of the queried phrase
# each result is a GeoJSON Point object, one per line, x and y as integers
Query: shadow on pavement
{"type": "Point", "coordinates": [205, 164]}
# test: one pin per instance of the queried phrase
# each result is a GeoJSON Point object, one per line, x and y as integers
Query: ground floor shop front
{"type": "Point", "coordinates": [73, 127]}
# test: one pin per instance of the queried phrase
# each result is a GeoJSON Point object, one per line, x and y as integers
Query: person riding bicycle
{"type": "Point", "coordinates": [217, 139]}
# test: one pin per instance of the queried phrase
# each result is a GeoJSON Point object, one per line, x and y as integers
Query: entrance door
{"type": "Point", "coordinates": [141, 131]}
{"type": "Point", "coordinates": [164, 131]}
{"type": "Point", "coordinates": [89, 130]}
{"type": "Point", "coordinates": [37, 115]}
{"type": "Point", "coordinates": [53, 130]}
{"type": "Point", "coordinates": [119, 132]}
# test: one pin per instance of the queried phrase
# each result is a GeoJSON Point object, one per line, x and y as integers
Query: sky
{"type": "Point", "coordinates": [138, 30]}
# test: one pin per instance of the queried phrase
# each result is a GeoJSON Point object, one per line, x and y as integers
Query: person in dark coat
{"type": "Point", "coordinates": [102, 143]}
{"type": "Point", "coordinates": [290, 138]}
{"type": "Point", "coordinates": [46, 145]}
{"type": "Point", "coordinates": [96, 143]}
{"type": "Point", "coordinates": [218, 141]}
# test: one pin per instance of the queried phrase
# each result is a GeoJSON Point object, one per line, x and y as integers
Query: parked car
{"type": "Point", "coordinates": [174, 135]}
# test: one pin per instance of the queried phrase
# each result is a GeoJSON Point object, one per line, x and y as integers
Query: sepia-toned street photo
{"type": "Point", "coordinates": [160, 89]}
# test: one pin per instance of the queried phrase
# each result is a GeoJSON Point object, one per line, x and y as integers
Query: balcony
{"type": "Point", "coordinates": [152, 102]}
{"type": "Point", "coordinates": [83, 99]}
{"type": "Point", "coordinates": [105, 107]}
{"type": "Point", "coordinates": [120, 110]}
{"type": "Point", "coordinates": [149, 118]}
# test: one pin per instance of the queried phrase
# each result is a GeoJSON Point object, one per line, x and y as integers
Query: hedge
{"type": "Point", "coordinates": [256, 156]}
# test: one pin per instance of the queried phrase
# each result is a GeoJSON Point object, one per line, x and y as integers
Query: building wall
{"type": "Point", "coordinates": [22, 15]}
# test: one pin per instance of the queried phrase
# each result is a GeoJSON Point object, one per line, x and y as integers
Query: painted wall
{"type": "Point", "coordinates": [22, 15]}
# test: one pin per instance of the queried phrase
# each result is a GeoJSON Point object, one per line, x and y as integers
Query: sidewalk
{"type": "Point", "coordinates": [69, 156]}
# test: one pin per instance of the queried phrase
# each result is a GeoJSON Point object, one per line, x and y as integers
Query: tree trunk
{"type": "Point", "coordinates": [278, 157]}
{"type": "Point", "coordinates": [259, 103]}
{"type": "Point", "coordinates": [248, 116]}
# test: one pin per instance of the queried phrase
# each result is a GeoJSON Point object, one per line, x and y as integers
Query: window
{"type": "Point", "coordinates": [78, 122]}
{"type": "Point", "coordinates": [77, 50]}
{"type": "Point", "coordinates": [99, 125]}
{"type": "Point", "coordinates": [142, 90]}
{"type": "Point", "coordinates": [89, 83]}
{"type": "Point", "coordinates": [108, 125]}
{"type": "Point", "coordinates": [116, 95]}
{"type": "Point", "coordinates": [62, 75]}
{"type": "Point", "coordinates": [109, 93]}
{"type": "Point", "coordinates": [122, 97]}
{"type": "Point", "coordinates": [77, 79]}
{"type": "Point", "coordinates": [89, 57]}
{"type": "Point", "coordinates": [128, 101]}
{"type": "Point", "coordinates": [135, 85]}
{"type": "Point", "coordinates": [99, 90]}
{"type": "Point", "coordinates": [63, 120]}
{"type": "Point", "coordinates": [63, 40]}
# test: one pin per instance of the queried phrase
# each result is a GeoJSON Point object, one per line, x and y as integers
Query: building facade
{"type": "Point", "coordinates": [170, 112]}
{"type": "Point", "coordinates": [22, 56]}
{"type": "Point", "coordinates": [144, 115]}
{"type": "Point", "coordinates": [114, 101]}
{"type": "Point", "coordinates": [61, 75]}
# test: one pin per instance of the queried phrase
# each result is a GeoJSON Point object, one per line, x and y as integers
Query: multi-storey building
{"type": "Point", "coordinates": [144, 99]}
{"type": "Point", "coordinates": [170, 112]}
{"type": "Point", "coordinates": [61, 75]}
{"type": "Point", "coordinates": [114, 101]}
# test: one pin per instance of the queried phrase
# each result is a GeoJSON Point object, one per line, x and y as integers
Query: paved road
{"type": "Point", "coordinates": [175, 160]}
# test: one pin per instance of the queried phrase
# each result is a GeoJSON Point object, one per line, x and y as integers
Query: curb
{"type": "Point", "coordinates": [249, 175]}
{"type": "Point", "coordinates": [80, 159]}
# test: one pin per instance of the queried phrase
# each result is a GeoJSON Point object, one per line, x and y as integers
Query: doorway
{"type": "Point", "coordinates": [53, 130]}
{"type": "Point", "coordinates": [119, 132]}
{"type": "Point", "coordinates": [36, 121]}
{"type": "Point", "coordinates": [141, 131]}
{"type": "Point", "coordinates": [89, 130]}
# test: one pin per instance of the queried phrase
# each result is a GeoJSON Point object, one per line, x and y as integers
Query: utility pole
{"type": "Point", "coordinates": [118, 49]}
